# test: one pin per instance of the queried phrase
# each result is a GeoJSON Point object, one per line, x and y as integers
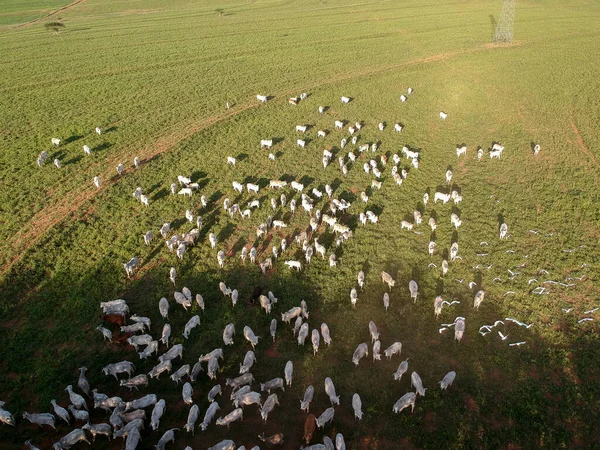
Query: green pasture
{"type": "Point", "coordinates": [156, 76]}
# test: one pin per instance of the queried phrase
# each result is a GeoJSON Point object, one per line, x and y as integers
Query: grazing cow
{"type": "Point", "coordinates": [396, 347]}
{"type": "Point", "coordinates": [431, 248]}
{"type": "Point", "coordinates": [40, 419]}
{"type": "Point", "coordinates": [136, 162]}
{"type": "Point", "coordinates": [97, 182]}
{"type": "Point", "coordinates": [262, 98]}
{"type": "Point", "coordinates": [503, 231]}
{"type": "Point", "coordinates": [447, 380]}
{"type": "Point", "coordinates": [321, 134]}
{"type": "Point", "coordinates": [455, 220]}
{"type": "Point", "coordinates": [398, 128]}
{"type": "Point", "coordinates": [87, 150]}
{"type": "Point", "coordinates": [456, 197]}
{"type": "Point", "coordinates": [144, 200]}
{"type": "Point", "coordinates": [403, 98]}
{"type": "Point", "coordinates": [339, 125]}
{"type": "Point", "coordinates": [130, 265]}
{"type": "Point", "coordinates": [361, 351]}
{"type": "Point", "coordinates": [301, 128]}
{"type": "Point", "coordinates": [461, 150]}
{"type": "Point", "coordinates": [345, 99]}
{"type": "Point", "coordinates": [418, 217]}
{"type": "Point", "coordinates": [445, 198]}
{"type": "Point", "coordinates": [536, 149]}
{"type": "Point", "coordinates": [405, 401]}
{"type": "Point", "coordinates": [432, 223]}
{"type": "Point", "coordinates": [326, 417]}
{"type": "Point", "coordinates": [417, 383]}
{"type": "Point", "coordinates": [277, 184]}
{"type": "Point", "coordinates": [55, 142]}
{"type": "Point", "coordinates": [459, 328]}
{"type": "Point", "coordinates": [231, 160]}
{"type": "Point", "coordinates": [479, 154]}
{"type": "Point", "coordinates": [330, 391]}
{"type": "Point", "coordinates": [357, 406]}
{"type": "Point", "coordinates": [443, 115]}
{"type": "Point", "coordinates": [251, 187]}
{"type": "Point", "coordinates": [414, 289]}
{"type": "Point", "coordinates": [321, 109]}
{"type": "Point", "coordinates": [453, 251]}
{"type": "Point", "coordinates": [266, 143]}
{"type": "Point", "coordinates": [387, 278]}
{"type": "Point", "coordinates": [300, 143]}
{"type": "Point", "coordinates": [448, 176]}
{"type": "Point", "coordinates": [479, 296]}
{"type": "Point", "coordinates": [495, 154]}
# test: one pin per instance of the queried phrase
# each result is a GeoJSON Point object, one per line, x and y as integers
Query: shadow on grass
{"type": "Point", "coordinates": [510, 395]}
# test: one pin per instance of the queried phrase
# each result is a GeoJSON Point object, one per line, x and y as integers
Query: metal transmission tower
{"type": "Point", "coordinates": [504, 30]}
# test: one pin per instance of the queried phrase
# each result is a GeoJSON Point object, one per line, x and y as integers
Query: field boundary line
{"type": "Point", "coordinates": [48, 217]}
{"type": "Point", "coordinates": [50, 14]}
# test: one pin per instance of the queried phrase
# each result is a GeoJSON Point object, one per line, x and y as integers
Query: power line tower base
{"type": "Point", "coordinates": [504, 30]}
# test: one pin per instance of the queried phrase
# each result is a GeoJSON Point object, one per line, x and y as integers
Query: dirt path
{"type": "Point", "coordinates": [581, 143]}
{"type": "Point", "coordinates": [48, 217]}
{"type": "Point", "coordinates": [50, 14]}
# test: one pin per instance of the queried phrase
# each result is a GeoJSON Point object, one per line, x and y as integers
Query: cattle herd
{"type": "Point", "coordinates": [127, 420]}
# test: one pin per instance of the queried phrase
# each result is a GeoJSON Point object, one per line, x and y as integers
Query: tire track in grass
{"type": "Point", "coordinates": [50, 14]}
{"type": "Point", "coordinates": [581, 142]}
{"type": "Point", "coordinates": [52, 215]}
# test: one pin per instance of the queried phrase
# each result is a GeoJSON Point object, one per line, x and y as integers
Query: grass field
{"type": "Point", "coordinates": [156, 76]}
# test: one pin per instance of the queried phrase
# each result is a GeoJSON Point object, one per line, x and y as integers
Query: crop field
{"type": "Point", "coordinates": [156, 77]}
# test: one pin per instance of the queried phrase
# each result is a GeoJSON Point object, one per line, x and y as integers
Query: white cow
{"type": "Point", "coordinates": [300, 143]}
{"type": "Point", "coordinates": [443, 115]}
{"type": "Point", "coordinates": [345, 99]}
{"type": "Point", "coordinates": [268, 143]}
{"type": "Point", "coordinates": [231, 160]}
{"type": "Point", "coordinates": [55, 142]}
{"type": "Point", "coordinates": [406, 224]}
{"type": "Point", "coordinates": [503, 231]}
{"type": "Point", "coordinates": [339, 125]}
{"type": "Point", "coordinates": [414, 289]}
{"type": "Point", "coordinates": [398, 128]}
{"type": "Point", "coordinates": [301, 128]}
{"type": "Point", "coordinates": [251, 187]}
{"type": "Point", "coordinates": [262, 98]}
{"type": "Point", "coordinates": [461, 150]}
{"type": "Point", "coordinates": [445, 198]}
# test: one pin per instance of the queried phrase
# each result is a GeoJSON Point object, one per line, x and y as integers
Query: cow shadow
{"type": "Point", "coordinates": [101, 147]}
{"type": "Point", "coordinates": [73, 138]}
{"type": "Point", "coordinates": [197, 175]}
{"type": "Point", "coordinates": [164, 192]}
{"type": "Point", "coordinates": [73, 160]}
{"type": "Point", "coordinates": [242, 156]}
{"type": "Point", "coordinates": [306, 180]}
{"type": "Point", "coordinates": [226, 232]}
